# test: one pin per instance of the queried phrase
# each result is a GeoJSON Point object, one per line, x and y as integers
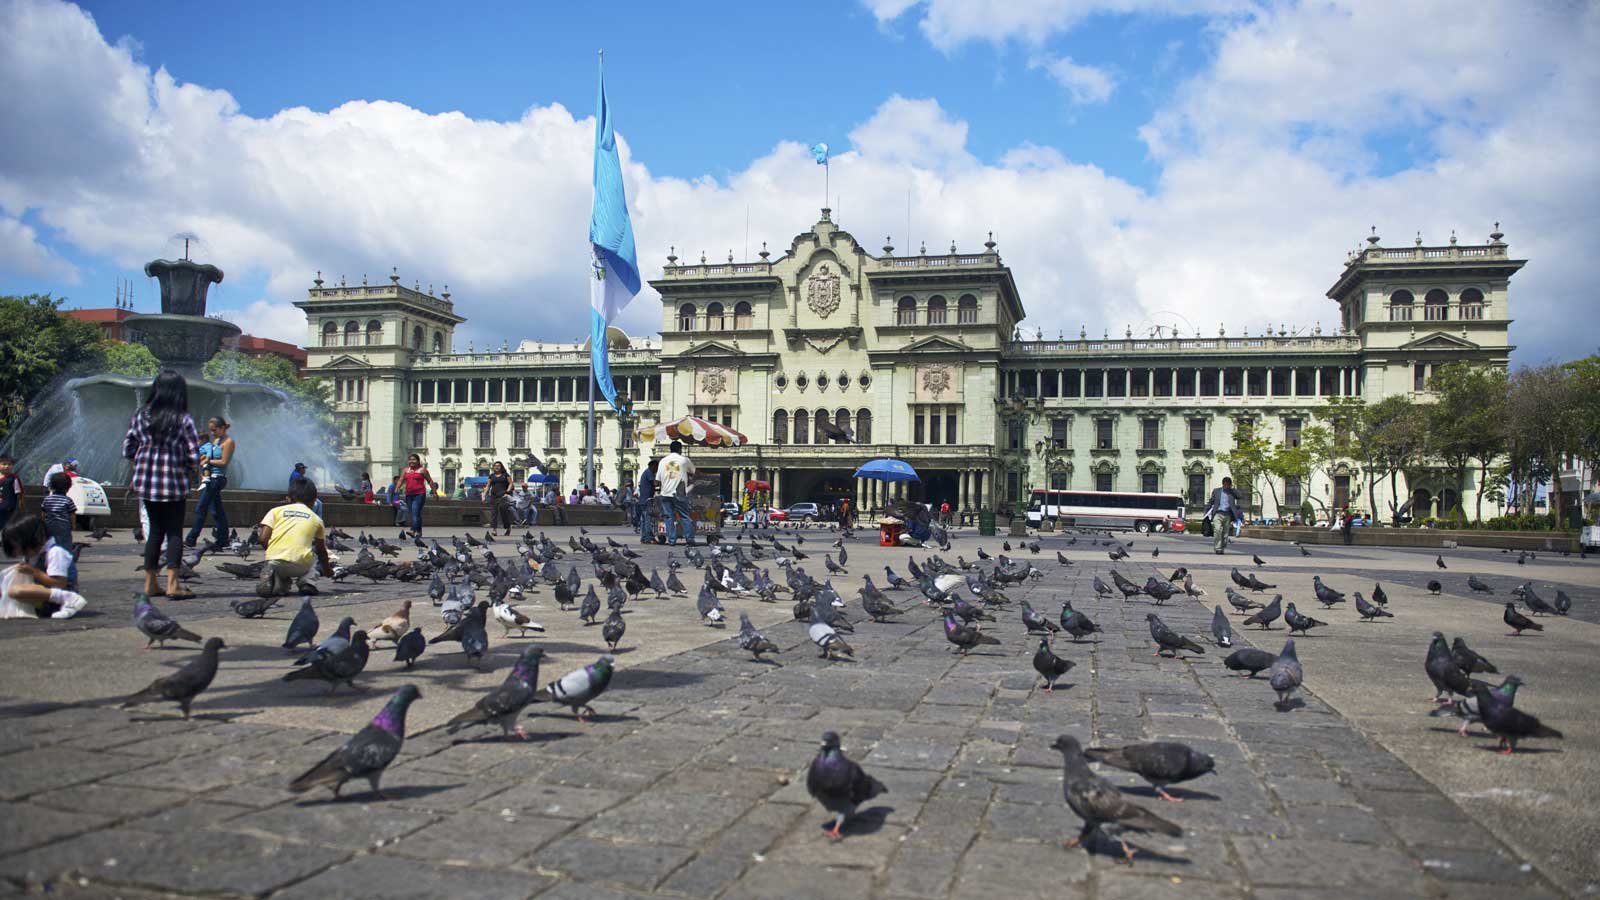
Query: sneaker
{"type": "Point", "coordinates": [189, 542]}
{"type": "Point", "coordinates": [75, 602]}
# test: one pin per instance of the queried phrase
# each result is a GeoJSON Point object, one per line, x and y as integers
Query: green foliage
{"type": "Point", "coordinates": [315, 395]}
{"type": "Point", "coordinates": [37, 343]}
{"type": "Point", "coordinates": [119, 358]}
{"type": "Point", "coordinates": [1308, 515]}
{"type": "Point", "coordinates": [1248, 459]}
{"type": "Point", "coordinates": [1467, 421]}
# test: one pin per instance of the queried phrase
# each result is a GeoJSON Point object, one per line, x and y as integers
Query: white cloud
{"type": "Point", "coordinates": [1085, 84]}
{"type": "Point", "coordinates": [950, 23]}
{"type": "Point", "coordinates": [22, 253]}
{"type": "Point", "coordinates": [269, 319]}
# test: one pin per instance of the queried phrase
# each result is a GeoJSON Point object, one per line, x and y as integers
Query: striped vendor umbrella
{"type": "Point", "coordinates": [690, 430]}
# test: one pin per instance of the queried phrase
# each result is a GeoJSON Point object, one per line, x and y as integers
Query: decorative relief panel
{"type": "Point", "coordinates": [938, 383]}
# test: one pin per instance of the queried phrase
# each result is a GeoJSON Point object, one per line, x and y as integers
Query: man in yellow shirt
{"type": "Point", "coordinates": [294, 536]}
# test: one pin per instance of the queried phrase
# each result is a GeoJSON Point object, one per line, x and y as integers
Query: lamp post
{"type": "Point", "coordinates": [625, 420]}
{"type": "Point", "coordinates": [1019, 411]}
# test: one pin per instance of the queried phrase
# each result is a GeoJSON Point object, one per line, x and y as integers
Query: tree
{"type": "Point", "coordinates": [1288, 462]}
{"type": "Point", "coordinates": [119, 358]}
{"type": "Point", "coordinates": [1467, 421]}
{"type": "Point", "coordinates": [1543, 426]}
{"type": "Point", "coordinates": [314, 394]}
{"type": "Point", "coordinates": [1247, 461]}
{"type": "Point", "coordinates": [37, 343]}
{"type": "Point", "coordinates": [1399, 431]}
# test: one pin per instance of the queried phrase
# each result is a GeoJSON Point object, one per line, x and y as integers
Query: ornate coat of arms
{"type": "Point", "coordinates": [822, 291]}
{"type": "Point", "coordinates": [936, 380]}
{"type": "Point", "coordinates": [713, 383]}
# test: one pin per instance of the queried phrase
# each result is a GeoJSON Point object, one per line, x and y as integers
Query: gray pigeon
{"type": "Point", "coordinates": [1249, 661]}
{"type": "Point", "coordinates": [409, 647]}
{"type": "Point", "coordinates": [1076, 623]}
{"type": "Point", "coordinates": [184, 685]}
{"type": "Point", "coordinates": [368, 752]}
{"type": "Point", "coordinates": [1034, 623]}
{"type": "Point", "coordinates": [1327, 596]}
{"type": "Point", "coordinates": [1444, 671]}
{"type": "Point", "coordinates": [1563, 603]}
{"type": "Point", "coordinates": [1301, 623]}
{"type": "Point", "coordinates": [1369, 612]}
{"type": "Point", "coordinates": [1536, 604]}
{"type": "Point", "coordinates": [505, 703]}
{"type": "Point", "coordinates": [1478, 586]}
{"type": "Point", "coordinates": [1168, 640]}
{"type": "Point", "coordinates": [613, 629]}
{"type": "Point", "coordinates": [156, 626]}
{"type": "Point", "coordinates": [1265, 617]}
{"type": "Point", "coordinates": [303, 630]}
{"type": "Point", "coordinates": [578, 688]}
{"type": "Point", "coordinates": [827, 639]}
{"type": "Point", "coordinates": [342, 665]}
{"type": "Point", "coordinates": [1161, 763]}
{"type": "Point", "coordinates": [836, 782]}
{"type": "Point", "coordinates": [710, 608]}
{"type": "Point", "coordinates": [1098, 802]}
{"type": "Point", "coordinates": [1285, 674]}
{"type": "Point", "coordinates": [590, 608]}
{"type": "Point", "coordinates": [1221, 629]}
{"type": "Point", "coordinates": [1049, 665]}
{"type": "Point", "coordinates": [752, 640]}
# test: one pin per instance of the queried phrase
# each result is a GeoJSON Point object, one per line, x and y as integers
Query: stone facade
{"type": "Point", "coordinates": [921, 356]}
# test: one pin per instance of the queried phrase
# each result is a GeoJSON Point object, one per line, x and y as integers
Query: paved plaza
{"type": "Point", "coordinates": [691, 780]}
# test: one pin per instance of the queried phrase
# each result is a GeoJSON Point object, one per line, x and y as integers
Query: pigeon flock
{"type": "Point", "coordinates": [471, 583]}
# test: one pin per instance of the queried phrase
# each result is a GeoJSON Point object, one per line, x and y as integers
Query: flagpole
{"type": "Point", "coordinates": [588, 469]}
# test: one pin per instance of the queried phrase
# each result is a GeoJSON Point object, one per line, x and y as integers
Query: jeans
{"type": "Point", "coordinates": [647, 519]}
{"type": "Point", "coordinates": [414, 510]}
{"type": "Point", "coordinates": [672, 509]}
{"type": "Point", "coordinates": [1221, 523]}
{"type": "Point", "coordinates": [210, 501]}
{"type": "Point", "coordinates": [166, 523]}
{"type": "Point", "coordinates": [402, 516]}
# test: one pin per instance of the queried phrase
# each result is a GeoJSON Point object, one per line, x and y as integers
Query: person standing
{"type": "Point", "coordinates": [215, 455]}
{"type": "Point", "coordinates": [366, 487]}
{"type": "Point", "coordinates": [417, 483]}
{"type": "Point", "coordinates": [844, 512]}
{"type": "Point", "coordinates": [674, 474]}
{"type": "Point", "coordinates": [10, 490]}
{"type": "Point", "coordinates": [58, 510]}
{"type": "Point", "coordinates": [165, 449]}
{"type": "Point", "coordinates": [498, 489]}
{"type": "Point", "coordinates": [298, 473]}
{"type": "Point", "coordinates": [647, 496]}
{"type": "Point", "coordinates": [1346, 525]}
{"type": "Point", "coordinates": [1223, 510]}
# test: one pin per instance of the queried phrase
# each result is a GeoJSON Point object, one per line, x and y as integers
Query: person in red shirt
{"type": "Point", "coordinates": [944, 512]}
{"type": "Point", "coordinates": [417, 484]}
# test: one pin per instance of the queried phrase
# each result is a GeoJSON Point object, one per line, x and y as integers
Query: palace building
{"type": "Point", "coordinates": [921, 356]}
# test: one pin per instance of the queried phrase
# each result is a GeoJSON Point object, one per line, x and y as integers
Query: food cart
{"type": "Point", "coordinates": [705, 492]}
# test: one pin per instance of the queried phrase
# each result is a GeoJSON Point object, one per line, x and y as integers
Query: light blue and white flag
{"type": "Point", "coordinates": [819, 152]}
{"type": "Point", "coordinates": [615, 278]}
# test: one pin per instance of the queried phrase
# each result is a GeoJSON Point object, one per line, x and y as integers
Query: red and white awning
{"type": "Point", "coordinates": [690, 430]}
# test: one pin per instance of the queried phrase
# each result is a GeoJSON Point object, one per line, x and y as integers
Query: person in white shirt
{"type": "Point", "coordinates": [26, 592]}
{"type": "Point", "coordinates": [673, 475]}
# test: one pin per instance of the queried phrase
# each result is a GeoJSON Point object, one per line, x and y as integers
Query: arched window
{"type": "Point", "coordinates": [352, 333]}
{"type": "Point", "coordinates": [863, 426]}
{"type": "Point", "coordinates": [802, 427]}
{"type": "Point", "coordinates": [841, 418]}
{"type": "Point", "coordinates": [1400, 306]}
{"type": "Point", "coordinates": [416, 337]}
{"type": "Point", "coordinates": [935, 310]}
{"type": "Point", "coordinates": [1436, 306]}
{"type": "Point", "coordinates": [438, 342]}
{"type": "Point", "coordinates": [905, 312]}
{"type": "Point", "coordinates": [1472, 304]}
{"type": "Point", "coordinates": [330, 334]}
{"type": "Point", "coordinates": [686, 317]}
{"type": "Point", "coordinates": [780, 427]}
{"type": "Point", "coordinates": [714, 321]}
{"type": "Point", "coordinates": [374, 332]}
{"type": "Point", "coordinates": [817, 425]}
{"type": "Point", "coordinates": [743, 315]}
{"type": "Point", "coordinates": [967, 310]}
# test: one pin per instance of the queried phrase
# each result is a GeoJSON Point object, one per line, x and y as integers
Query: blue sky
{"type": "Point", "coordinates": [1140, 161]}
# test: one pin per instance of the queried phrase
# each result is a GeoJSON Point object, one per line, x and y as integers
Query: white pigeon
{"type": "Point", "coordinates": [509, 618]}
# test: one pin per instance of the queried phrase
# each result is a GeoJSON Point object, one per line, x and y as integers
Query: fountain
{"type": "Point", "coordinates": [87, 416]}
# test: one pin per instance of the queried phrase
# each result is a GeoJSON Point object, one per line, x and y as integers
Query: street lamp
{"type": "Point", "coordinates": [625, 420]}
{"type": "Point", "coordinates": [1018, 411]}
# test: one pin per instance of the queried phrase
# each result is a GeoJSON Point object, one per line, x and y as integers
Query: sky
{"type": "Point", "coordinates": [1198, 163]}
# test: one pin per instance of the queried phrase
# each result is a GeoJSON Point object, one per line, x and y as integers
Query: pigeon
{"type": "Point", "coordinates": [578, 688]}
{"type": "Point", "coordinates": [1248, 580]}
{"type": "Point", "coordinates": [613, 629]}
{"type": "Point", "coordinates": [1076, 623]}
{"type": "Point", "coordinates": [877, 606]}
{"type": "Point", "coordinates": [1100, 589]}
{"type": "Point", "coordinates": [1519, 622]}
{"type": "Point", "coordinates": [590, 608]}
{"type": "Point", "coordinates": [1285, 674]}
{"type": "Point", "coordinates": [836, 782]}
{"type": "Point", "coordinates": [1378, 596]}
{"type": "Point", "coordinates": [335, 667]}
{"type": "Point", "coordinates": [1478, 586]}
{"type": "Point", "coordinates": [1049, 665]}
{"type": "Point", "coordinates": [1128, 588]}
{"type": "Point", "coordinates": [1466, 709]}
{"type": "Point", "coordinates": [156, 626]}
{"type": "Point", "coordinates": [1303, 551]}
{"type": "Point", "coordinates": [894, 581]}
{"type": "Point", "coordinates": [1563, 603]}
{"type": "Point", "coordinates": [436, 589]}
{"type": "Point", "coordinates": [395, 626]}
{"type": "Point", "coordinates": [1161, 763]}
{"type": "Point", "coordinates": [1368, 611]}
{"type": "Point", "coordinates": [964, 636]}
{"type": "Point", "coordinates": [1536, 604]}
{"type": "Point", "coordinates": [505, 703]}
{"type": "Point", "coordinates": [1257, 560]}
{"type": "Point", "coordinates": [1434, 587]}
{"type": "Point", "coordinates": [1469, 660]}
{"type": "Point", "coordinates": [182, 686]}
{"type": "Point", "coordinates": [510, 617]}
{"type": "Point", "coordinates": [825, 637]}
{"type": "Point", "coordinates": [252, 607]}
{"type": "Point", "coordinates": [1447, 676]}
{"type": "Point", "coordinates": [1248, 660]}
{"type": "Point", "coordinates": [1160, 590]}
{"type": "Point", "coordinates": [1327, 596]}
{"type": "Point", "coordinates": [710, 608]}
{"type": "Point", "coordinates": [1439, 561]}
{"type": "Point", "coordinates": [368, 752]}
{"type": "Point", "coordinates": [1098, 802]}
{"type": "Point", "coordinates": [409, 647]}
{"type": "Point", "coordinates": [333, 643]}
{"type": "Point", "coordinates": [1166, 639]}
{"type": "Point", "coordinates": [1298, 622]}
{"type": "Point", "coordinates": [1238, 601]}
{"type": "Point", "coordinates": [752, 640]}
{"type": "Point", "coordinates": [1265, 617]}
{"type": "Point", "coordinates": [303, 629]}
{"type": "Point", "coordinates": [1221, 629]}
{"type": "Point", "coordinates": [1034, 622]}
{"type": "Point", "coordinates": [833, 567]}
{"type": "Point", "coordinates": [1508, 723]}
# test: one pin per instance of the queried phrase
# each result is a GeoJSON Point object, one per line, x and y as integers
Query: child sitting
{"type": "Point", "coordinates": [58, 510]}
{"type": "Point", "coordinates": [293, 536]}
{"type": "Point", "coordinates": [27, 592]}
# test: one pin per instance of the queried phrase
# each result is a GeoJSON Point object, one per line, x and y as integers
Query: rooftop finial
{"type": "Point", "coordinates": [1373, 237]}
{"type": "Point", "coordinates": [1495, 236]}
{"type": "Point", "coordinates": [318, 280]}
{"type": "Point", "coordinates": [764, 254]}
{"type": "Point", "coordinates": [1452, 237]}
{"type": "Point", "coordinates": [394, 275]}
{"type": "Point", "coordinates": [446, 294]}
{"type": "Point", "coordinates": [990, 244]}
{"type": "Point", "coordinates": [672, 255]}
{"type": "Point", "coordinates": [888, 245]}
{"type": "Point", "coordinates": [952, 246]}
{"type": "Point", "coordinates": [1419, 239]}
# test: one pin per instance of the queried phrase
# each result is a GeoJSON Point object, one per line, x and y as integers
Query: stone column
{"type": "Point", "coordinates": [1318, 387]}
{"type": "Point", "coordinates": [1294, 382]}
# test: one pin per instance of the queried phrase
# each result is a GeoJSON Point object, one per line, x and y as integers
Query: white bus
{"type": "Point", "coordinates": [1107, 509]}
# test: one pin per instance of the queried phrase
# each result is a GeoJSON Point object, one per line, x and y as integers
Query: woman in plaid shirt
{"type": "Point", "coordinates": [165, 449]}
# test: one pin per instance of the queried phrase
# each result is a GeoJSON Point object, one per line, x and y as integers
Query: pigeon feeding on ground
{"type": "Point", "coordinates": [1035, 623]}
{"type": "Point", "coordinates": [470, 632]}
{"type": "Point", "coordinates": [1508, 723]}
{"type": "Point", "coordinates": [1098, 802]}
{"type": "Point", "coordinates": [394, 626]}
{"type": "Point", "coordinates": [1049, 665]}
{"type": "Point", "coordinates": [409, 647]}
{"type": "Point", "coordinates": [836, 782]}
{"type": "Point", "coordinates": [963, 636]}
{"type": "Point", "coordinates": [1298, 622]}
{"type": "Point", "coordinates": [1369, 612]}
{"type": "Point", "coordinates": [1466, 709]}
{"type": "Point", "coordinates": [156, 626]}
{"type": "Point", "coordinates": [752, 640]}
{"type": "Point", "coordinates": [1469, 660]}
{"type": "Point", "coordinates": [510, 617]}
{"type": "Point", "coordinates": [368, 752]}
{"type": "Point", "coordinates": [1161, 763]}
{"type": "Point", "coordinates": [1248, 660]}
{"type": "Point", "coordinates": [1536, 604]}
{"type": "Point", "coordinates": [505, 703]}
{"type": "Point", "coordinates": [1447, 675]}
{"type": "Point", "coordinates": [612, 630]}
{"type": "Point", "coordinates": [303, 629]}
{"type": "Point", "coordinates": [182, 686]}
{"type": "Point", "coordinates": [1167, 639]}
{"type": "Point", "coordinates": [342, 663]}
{"type": "Point", "coordinates": [578, 688]}
{"type": "Point", "coordinates": [1434, 587]}
{"type": "Point", "coordinates": [1265, 617]}
{"type": "Point", "coordinates": [1478, 586]}
{"type": "Point", "coordinates": [1285, 674]}
{"type": "Point", "coordinates": [1519, 622]}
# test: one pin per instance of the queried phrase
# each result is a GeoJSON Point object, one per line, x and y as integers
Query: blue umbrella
{"type": "Point", "coordinates": [536, 478]}
{"type": "Point", "coordinates": [888, 470]}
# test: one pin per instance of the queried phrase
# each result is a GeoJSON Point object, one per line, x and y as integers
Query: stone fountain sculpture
{"type": "Point", "coordinates": [181, 336]}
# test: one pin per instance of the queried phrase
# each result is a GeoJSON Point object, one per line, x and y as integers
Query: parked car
{"type": "Point", "coordinates": [1175, 526]}
{"type": "Point", "coordinates": [775, 514]}
{"type": "Point", "coordinates": [730, 511]}
{"type": "Point", "coordinates": [804, 512]}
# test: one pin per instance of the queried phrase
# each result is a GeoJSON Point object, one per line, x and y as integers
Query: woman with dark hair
{"type": "Point", "coordinates": [165, 449]}
{"type": "Point", "coordinates": [215, 455]}
{"type": "Point", "coordinates": [417, 483]}
{"type": "Point", "coordinates": [366, 487]}
{"type": "Point", "coordinates": [499, 504]}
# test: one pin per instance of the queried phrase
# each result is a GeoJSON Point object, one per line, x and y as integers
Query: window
{"type": "Point", "coordinates": [822, 380]}
{"type": "Point", "coordinates": [1472, 304]}
{"type": "Point", "coordinates": [416, 337]}
{"type": "Point", "coordinates": [477, 390]}
{"type": "Point", "coordinates": [427, 390]}
{"type": "Point", "coordinates": [352, 334]}
{"type": "Point", "coordinates": [1400, 306]}
{"type": "Point", "coordinates": [686, 317]}
{"type": "Point", "coordinates": [1058, 481]}
{"type": "Point", "coordinates": [935, 310]}
{"type": "Point", "coordinates": [496, 390]}
{"type": "Point", "coordinates": [449, 480]}
{"type": "Point", "coordinates": [1103, 434]}
{"type": "Point", "coordinates": [1436, 306]}
{"type": "Point", "coordinates": [552, 435]}
{"type": "Point", "coordinates": [1197, 434]}
{"type": "Point", "coordinates": [917, 427]}
{"type": "Point", "coordinates": [1419, 377]}
{"type": "Point", "coordinates": [628, 442]}
{"type": "Point", "coordinates": [330, 334]}
{"type": "Point", "coordinates": [841, 418]}
{"type": "Point", "coordinates": [743, 315]}
{"type": "Point", "coordinates": [1197, 489]}
{"type": "Point", "coordinates": [374, 332]}
{"type": "Point", "coordinates": [419, 434]}
{"type": "Point", "coordinates": [1291, 493]}
{"type": "Point", "coordinates": [565, 385]}
{"type": "Point", "coordinates": [438, 342]}
{"type": "Point", "coordinates": [905, 312]}
{"type": "Point", "coordinates": [950, 427]}
{"type": "Point", "coordinates": [519, 434]}
{"type": "Point", "coordinates": [817, 426]}
{"type": "Point", "coordinates": [1060, 430]}
{"type": "Point", "coordinates": [802, 426]}
{"type": "Point", "coordinates": [1291, 432]}
{"type": "Point", "coordinates": [1102, 481]}
{"type": "Point", "coordinates": [863, 426]}
{"type": "Point", "coordinates": [452, 434]}
{"type": "Point", "coordinates": [714, 320]}
{"type": "Point", "coordinates": [1149, 483]}
{"type": "Point", "coordinates": [1150, 434]}
{"type": "Point", "coordinates": [780, 427]}
{"type": "Point", "coordinates": [967, 310]}
{"type": "Point", "coordinates": [782, 381]}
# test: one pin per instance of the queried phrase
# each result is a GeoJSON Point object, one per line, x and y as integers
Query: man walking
{"type": "Point", "coordinates": [647, 502]}
{"type": "Point", "coordinates": [1222, 511]}
{"type": "Point", "coordinates": [673, 475]}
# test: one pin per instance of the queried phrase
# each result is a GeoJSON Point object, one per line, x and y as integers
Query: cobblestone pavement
{"type": "Point", "coordinates": [691, 781]}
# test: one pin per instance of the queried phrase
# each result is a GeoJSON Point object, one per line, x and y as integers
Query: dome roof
{"type": "Point", "coordinates": [616, 339]}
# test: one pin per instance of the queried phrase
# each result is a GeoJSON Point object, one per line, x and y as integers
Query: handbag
{"type": "Point", "coordinates": [1208, 529]}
